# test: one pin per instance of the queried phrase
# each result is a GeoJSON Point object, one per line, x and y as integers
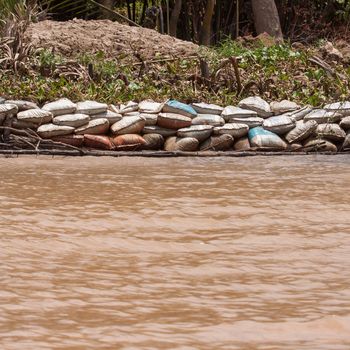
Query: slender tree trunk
{"type": "Point", "coordinates": [266, 18]}
{"type": "Point", "coordinates": [206, 26]}
{"type": "Point", "coordinates": [110, 5]}
{"type": "Point", "coordinates": [175, 14]}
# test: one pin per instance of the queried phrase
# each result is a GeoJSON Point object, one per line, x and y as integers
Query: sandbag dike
{"type": "Point", "coordinates": [173, 128]}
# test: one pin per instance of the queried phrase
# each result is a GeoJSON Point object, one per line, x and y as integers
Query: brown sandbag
{"type": "Point", "coordinates": [186, 144]}
{"type": "Point", "coordinates": [319, 145]}
{"type": "Point", "coordinates": [173, 121]}
{"type": "Point", "coordinates": [153, 142]}
{"type": "Point", "coordinates": [242, 144]}
{"type": "Point", "coordinates": [346, 143]}
{"type": "Point", "coordinates": [72, 140]}
{"type": "Point", "coordinates": [128, 139]}
{"type": "Point", "coordinates": [332, 132]}
{"type": "Point", "coordinates": [217, 143]}
{"type": "Point", "coordinates": [98, 141]}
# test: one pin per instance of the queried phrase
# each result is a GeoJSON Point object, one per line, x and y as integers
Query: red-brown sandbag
{"type": "Point", "coordinates": [73, 140]}
{"type": "Point", "coordinates": [98, 141]}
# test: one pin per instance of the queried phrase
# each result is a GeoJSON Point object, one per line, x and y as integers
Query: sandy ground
{"type": "Point", "coordinates": [114, 39]}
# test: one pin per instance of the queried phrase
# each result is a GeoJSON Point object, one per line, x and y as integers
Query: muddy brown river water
{"type": "Point", "coordinates": [134, 253]}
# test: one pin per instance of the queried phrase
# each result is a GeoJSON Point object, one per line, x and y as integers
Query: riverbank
{"type": "Point", "coordinates": [172, 128]}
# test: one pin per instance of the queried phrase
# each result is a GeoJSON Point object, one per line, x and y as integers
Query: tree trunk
{"type": "Point", "coordinates": [266, 18]}
{"type": "Point", "coordinates": [206, 26]}
{"type": "Point", "coordinates": [175, 14]}
{"type": "Point", "coordinates": [109, 4]}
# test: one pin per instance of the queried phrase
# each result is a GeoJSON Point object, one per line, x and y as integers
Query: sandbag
{"type": "Point", "coordinates": [72, 140]}
{"type": "Point", "coordinates": [155, 129]}
{"type": "Point", "coordinates": [60, 107]}
{"type": "Point", "coordinates": [207, 108]}
{"type": "Point", "coordinates": [346, 143]}
{"type": "Point", "coordinates": [339, 107]}
{"type": "Point", "coordinates": [217, 143]}
{"type": "Point", "coordinates": [265, 140]}
{"type": "Point", "coordinates": [234, 129]}
{"type": "Point", "coordinates": [75, 120]}
{"type": "Point", "coordinates": [131, 106]}
{"type": "Point", "coordinates": [345, 123]}
{"type": "Point", "coordinates": [91, 107]}
{"type": "Point", "coordinates": [301, 131]}
{"type": "Point", "coordinates": [23, 105]}
{"type": "Point", "coordinates": [252, 122]}
{"type": "Point", "coordinates": [257, 104]}
{"type": "Point", "coordinates": [128, 139]}
{"type": "Point", "coordinates": [230, 112]}
{"type": "Point", "coordinates": [283, 106]}
{"type": "Point", "coordinates": [208, 119]}
{"type": "Point", "coordinates": [98, 142]}
{"type": "Point", "coordinates": [153, 142]}
{"type": "Point", "coordinates": [48, 131]}
{"type": "Point", "coordinates": [94, 127]}
{"type": "Point", "coordinates": [128, 125]}
{"type": "Point", "coordinates": [322, 116]}
{"type": "Point", "coordinates": [112, 117]}
{"type": "Point", "coordinates": [8, 109]}
{"type": "Point", "coordinates": [132, 114]}
{"type": "Point", "coordinates": [187, 144]}
{"type": "Point", "coordinates": [150, 107]}
{"type": "Point", "coordinates": [173, 121]}
{"type": "Point", "coordinates": [332, 132]}
{"type": "Point", "coordinates": [20, 124]}
{"type": "Point", "coordinates": [242, 144]}
{"type": "Point", "coordinates": [36, 116]}
{"type": "Point", "coordinates": [279, 125]}
{"type": "Point", "coordinates": [199, 132]}
{"type": "Point", "coordinates": [299, 114]}
{"type": "Point", "coordinates": [319, 145]}
{"type": "Point", "coordinates": [150, 119]}
{"type": "Point", "coordinates": [173, 106]}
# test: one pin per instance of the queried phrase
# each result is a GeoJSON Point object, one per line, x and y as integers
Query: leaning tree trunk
{"type": "Point", "coordinates": [266, 18]}
{"type": "Point", "coordinates": [175, 13]}
{"type": "Point", "coordinates": [206, 26]}
{"type": "Point", "coordinates": [109, 4]}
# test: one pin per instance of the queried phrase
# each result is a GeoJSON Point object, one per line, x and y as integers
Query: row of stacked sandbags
{"type": "Point", "coordinates": [174, 126]}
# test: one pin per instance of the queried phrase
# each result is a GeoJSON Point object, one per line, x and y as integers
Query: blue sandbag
{"type": "Point", "coordinates": [173, 106]}
{"type": "Point", "coordinates": [265, 140]}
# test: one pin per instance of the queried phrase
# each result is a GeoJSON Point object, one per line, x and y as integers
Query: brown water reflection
{"type": "Point", "coordinates": [103, 253]}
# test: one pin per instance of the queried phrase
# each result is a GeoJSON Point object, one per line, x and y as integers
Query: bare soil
{"type": "Point", "coordinates": [73, 38]}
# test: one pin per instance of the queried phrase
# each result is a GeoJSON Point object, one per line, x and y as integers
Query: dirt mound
{"type": "Point", "coordinates": [75, 37]}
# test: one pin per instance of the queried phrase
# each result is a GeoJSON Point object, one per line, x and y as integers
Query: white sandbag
{"type": "Point", "coordinates": [112, 117]}
{"type": "Point", "coordinates": [60, 107]}
{"type": "Point", "coordinates": [173, 121]}
{"type": "Point", "coordinates": [233, 129]}
{"type": "Point", "coordinates": [207, 108]}
{"type": "Point", "coordinates": [332, 132]}
{"type": "Point", "coordinates": [252, 122]}
{"type": "Point", "coordinates": [128, 125]}
{"type": "Point", "coordinates": [74, 120]}
{"type": "Point", "coordinates": [299, 114]}
{"type": "Point", "coordinates": [279, 125]}
{"type": "Point", "coordinates": [37, 116]}
{"type": "Point", "coordinates": [155, 129]}
{"type": "Point", "coordinates": [283, 106]}
{"type": "Point", "coordinates": [257, 104]}
{"type": "Point", "coordinates": [150, 107]}
{"type": "Point", "coordinates": [48, 131]}
{"type": "Point", "coordinates": [217, 143]}
{"type": "Point", "coordinates": [301, 131]}
{"type": "Point", "coordinates": [345, 123]}
{"type": "Point", "coordinates": [340, 107]}
{"type": "Point", "coordinates": [208, 119]}
{"type": "Point", "coordinates": [187, 144]}
{"type": "Point", "coordinates": [173, 106]}
{"type": "Point", "coordinates": [8, 109]}
{"type": "Point", "coordinates": [319, 145]}
{"type": "Point", "coordinates": [199, 132]}
{"type": "Point", "coordinates": [150, 119]}
{"type": "Point", "coordinates": [131, 106]}
{"type": "Point", "coordinates": [23, 105]}
{"type": "Point", "coordinates": [94, 127]}
{"type": "Point", "coordinates": [230, 112]}
{"type": "Point", "coordinates": [91, 107]}
{"type": "Point", "coordinates": [265, 140]}
{"type": "Point", "coordinates": [322, 116]}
